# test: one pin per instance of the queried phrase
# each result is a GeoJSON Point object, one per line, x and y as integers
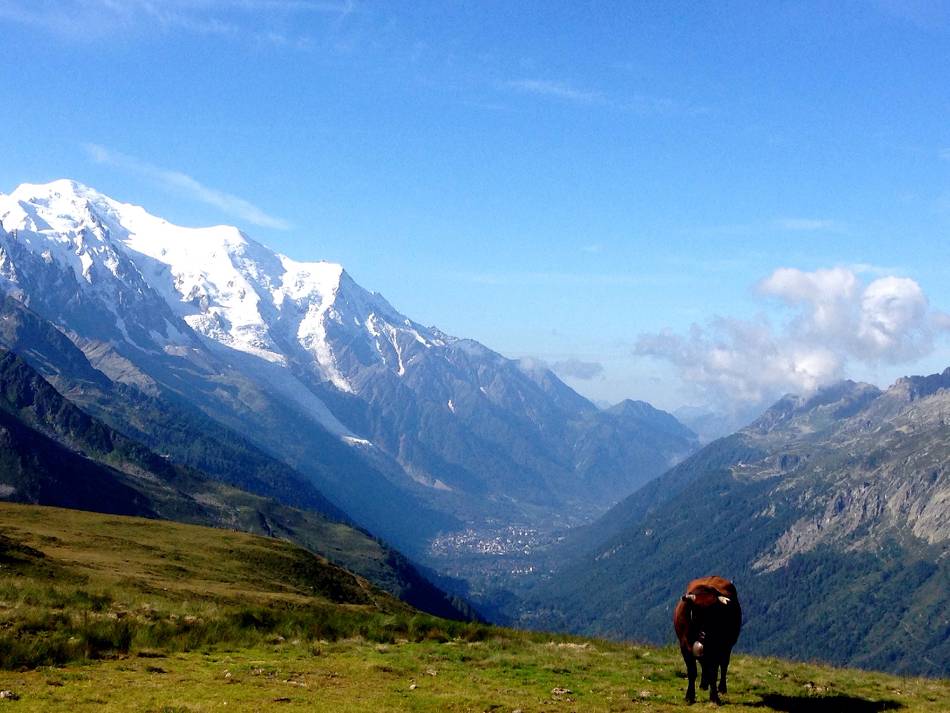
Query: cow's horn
{"type": "Point", "coordinates": [689, 597]}
{"type": "Point", "coordinates": [724, 600]}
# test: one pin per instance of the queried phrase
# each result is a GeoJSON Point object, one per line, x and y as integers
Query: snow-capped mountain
{"type": "Point", "coordinates": [224, 286]}
{"type": "Point", "coordinates": [299, 357]}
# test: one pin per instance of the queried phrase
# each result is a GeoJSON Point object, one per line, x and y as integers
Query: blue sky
{"type": "Point", "coordinates": [609, 187]}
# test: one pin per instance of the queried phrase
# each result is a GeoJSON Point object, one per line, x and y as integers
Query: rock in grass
{"type": "Point", "coordinates": [9, 696]}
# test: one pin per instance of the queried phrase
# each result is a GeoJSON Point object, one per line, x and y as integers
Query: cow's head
{"type": "Point", "coordinates": [706, 616]}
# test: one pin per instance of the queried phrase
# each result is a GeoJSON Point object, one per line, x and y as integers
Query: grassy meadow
{"type": "Point", "coordinates": [111, 613]}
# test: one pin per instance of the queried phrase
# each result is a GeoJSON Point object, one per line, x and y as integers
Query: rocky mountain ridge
{"type": "Point", "coordinates": [830, 512]}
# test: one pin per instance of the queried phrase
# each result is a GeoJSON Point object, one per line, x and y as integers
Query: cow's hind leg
{"type": "Point", "coordinates": [690, 677]}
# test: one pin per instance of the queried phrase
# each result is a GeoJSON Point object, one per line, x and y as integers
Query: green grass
{"type": "Point", "coordinates": [122, 614]}
{"type": "Point", "coordinates": [506, 672]}
{"type": "Point", "coordinates": [78, 586]}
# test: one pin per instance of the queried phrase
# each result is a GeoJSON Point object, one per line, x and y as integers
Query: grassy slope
{"type": "Point", "coordinates": [53, 453]}
{"type": "Point", "coordinates": [183, 562]}
{"type": "Point", "coordinates": [160, 616]}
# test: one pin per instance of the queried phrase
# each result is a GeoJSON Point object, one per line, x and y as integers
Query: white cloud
{"type": "Point", "coordinates": [640, 104]}
{"type": "Point", "coordinates": [836, 320]}
{"type": "Point", "coordinates": [826, 295]}
{"type": "Point", "coordinates": [885, 320]}
{"type": "Point", "coordinates": [229, 204]}
{"type": "Point", "coordinates": [893, 314]}
{"type": "Point", "coordinates": [578, 369]}
{"type": "Point", "coordinates": [554, 90]}
{"type": "Point", "coordinates": [806, 225]}
{"type": "Point", "coordinates": [91, 20]}
{"type": "Point", "coordinates": [788, 224]}
{"type": "Point", "coordinates": [556, 279]}
{"type": "Point", "coordinates": [570, 368]}
{"type": "Point", "coordinates": [867, 268]}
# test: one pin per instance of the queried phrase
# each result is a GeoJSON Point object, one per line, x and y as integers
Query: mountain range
{"type": "Point", "coordinates": [409, 431]}
{"type": "Point", "coordinates": [196, 375]}
{"type": "Point", "coordinates": [830, 512]}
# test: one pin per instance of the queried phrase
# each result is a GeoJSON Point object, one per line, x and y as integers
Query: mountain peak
{"type": "Point", "coordinates": [833, 401]}
{"type": "Point", "coordinates": [64, 197]}
{"type": "Point", "coordinates": [645, 413]}
{"type": "Point", "coordinates": [911, 388]}
{"type": "Point", "coordinates": [60, 188]}
{"type": "Point", "coordinates": [633, 407]}
{"type": "Point", "coordinates": [62, 206]}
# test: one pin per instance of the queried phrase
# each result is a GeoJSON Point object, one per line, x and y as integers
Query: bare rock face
{"type": "Point", "coordinates": [880, 473]}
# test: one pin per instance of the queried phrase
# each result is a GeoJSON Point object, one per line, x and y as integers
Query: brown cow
{"type": "Point", "coordinates": [707, 621]}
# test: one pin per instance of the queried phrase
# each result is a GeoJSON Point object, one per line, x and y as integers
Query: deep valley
{"type": "Point", "coordinates": [195, 375]}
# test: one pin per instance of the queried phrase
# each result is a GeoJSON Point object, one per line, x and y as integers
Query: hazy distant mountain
{"type": "Point", "coordinates": [710, 424]}
{"type": "Point", "coordinates": [831, 513]}
{"type": "Point", "coordinates": [408, 430]}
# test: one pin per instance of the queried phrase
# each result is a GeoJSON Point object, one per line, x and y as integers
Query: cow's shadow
{"type": "Point", "coordinates": [824, 704]}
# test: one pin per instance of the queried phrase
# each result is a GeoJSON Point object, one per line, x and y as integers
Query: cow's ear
{"type": "Point", "coordinates": [724, 600]}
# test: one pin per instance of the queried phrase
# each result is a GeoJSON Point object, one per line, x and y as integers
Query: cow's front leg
{"type": "Point", "coordinates": [690, 677]}
{"type": "Point", "coordinates": [725, 667]}
{"type": "Point", "coordinates": [710, 669]}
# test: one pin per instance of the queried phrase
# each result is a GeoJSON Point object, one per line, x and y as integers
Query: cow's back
{"type": "Point", "coordinates": [720, 584]}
